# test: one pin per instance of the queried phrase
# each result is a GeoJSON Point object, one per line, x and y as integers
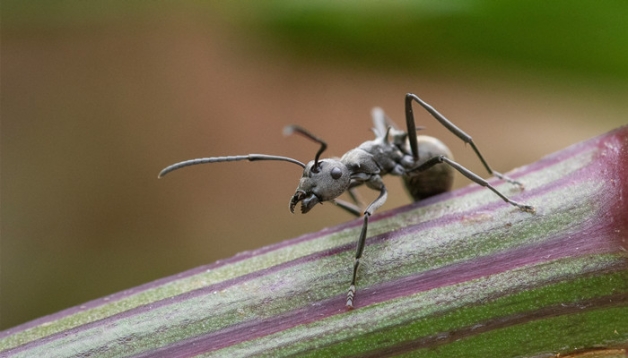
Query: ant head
{"type": "Point", "coordinates": [322, 180]}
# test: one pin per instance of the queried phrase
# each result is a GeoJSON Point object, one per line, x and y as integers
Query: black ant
{"type": "Point", "coordinates": [393, 151]}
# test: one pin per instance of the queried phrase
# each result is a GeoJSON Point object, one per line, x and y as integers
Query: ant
{"type": "Point", "coordinates": [415, 158]}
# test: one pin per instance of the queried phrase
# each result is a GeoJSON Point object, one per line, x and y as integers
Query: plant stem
{"type": "Point", "coordinates": [460, 274]}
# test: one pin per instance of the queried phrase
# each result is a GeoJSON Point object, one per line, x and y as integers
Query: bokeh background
{"type": "Point", "coordinates": [97, 97]}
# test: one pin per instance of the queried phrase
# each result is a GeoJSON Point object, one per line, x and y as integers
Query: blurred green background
{"type": "Point", "coordinates": [97, 97]}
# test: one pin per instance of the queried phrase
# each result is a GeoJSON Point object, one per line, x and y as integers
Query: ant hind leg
{"type": "Point", "coordinates": [473, 177]}
{"type": "Point", "coordinates": [452, 128]}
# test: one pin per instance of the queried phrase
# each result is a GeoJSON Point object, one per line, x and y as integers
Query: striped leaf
{"type": "Point", "coordinates": [461, 274]}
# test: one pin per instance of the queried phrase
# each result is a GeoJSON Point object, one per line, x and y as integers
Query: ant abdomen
{"type": "Point", "coordinates": [435, 180]}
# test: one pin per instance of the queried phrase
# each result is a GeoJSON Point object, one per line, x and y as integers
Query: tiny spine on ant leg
{"type": "Point", "coordinates": [393, 151]}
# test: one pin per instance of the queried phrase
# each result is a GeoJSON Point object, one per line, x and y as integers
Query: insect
{"type": "Point", "coordinates": [425, 164]}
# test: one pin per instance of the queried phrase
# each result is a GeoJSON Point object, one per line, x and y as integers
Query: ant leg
{"type": "Point", "coordinates": [355, 197]}
{"type": "Point", "coordinates": [379, 122]}
{"type": "Point", "coordinates": [383, 125]}
{"type": "Point", "coordinates": [376, 184]}
{"type": "Point", "coordinates": [350, 208]}
{"type": "Point", "coordinates": [382, 122]}
{"type": "Point", "coordinates": [354, 208]}
{"type": "Point", "coordinates": [472, 176]}
{"type": "Point", "coordinates": [452, 128]}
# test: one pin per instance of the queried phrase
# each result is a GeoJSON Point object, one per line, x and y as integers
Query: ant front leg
{"type": "Point", "coordinates": [452, 128]}
{"type": "Point", "coordinates": [374, 183]}
{"type": "Point", "coordinates": [348, 207]}
{"type": "Point", "coordinates": [355, 208]}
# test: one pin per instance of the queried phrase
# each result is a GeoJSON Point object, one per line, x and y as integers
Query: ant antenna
{"type": "Point", "coordinates": [288, 130]}
{"type": "Point", "coordinates": [231, 158]}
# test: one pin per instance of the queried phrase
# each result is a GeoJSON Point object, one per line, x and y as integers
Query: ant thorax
{"type": "Point", "coordinates": [379, 157]}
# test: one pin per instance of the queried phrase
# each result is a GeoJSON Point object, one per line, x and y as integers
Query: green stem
{"type": "Point", "coordinates": [461, 274]}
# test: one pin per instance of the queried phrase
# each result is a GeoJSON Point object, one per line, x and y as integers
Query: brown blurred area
{"type": "Point", "coordinates": [93, 110]}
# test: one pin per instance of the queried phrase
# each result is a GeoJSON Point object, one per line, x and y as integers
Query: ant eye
{"type": "Point", "coordinates": [336, 173]}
